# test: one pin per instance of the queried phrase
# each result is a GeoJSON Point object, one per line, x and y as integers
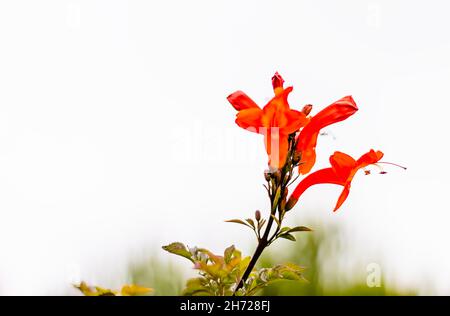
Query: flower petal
{"type": "Point", "coordinates": [277, 147]}
{"type": "Point", "coordinates": [342, 164]}
{"type": "Point", "coordinates": [369, 158]}
{"type": "Point", "coordinates": [241, 101]}
{"type": "Point", "coordinates": [308, 156]}
{"type": "Point", "coordinates": [342, 197]}
{"type": "Point", "coordinates": [295, 121]}
{"type": "Point", "coordinates": [343, 168]}
{"type": "Point", "coordinates": [275, 110]}
{"type": "Point", "coordinates": [249, 119]}
{"type": "Point", "coordinates": [307, 139]}
{"type": "Point", "coordinates": [336, 112]}
{"type": "Point", "coordinates": [326, 175]}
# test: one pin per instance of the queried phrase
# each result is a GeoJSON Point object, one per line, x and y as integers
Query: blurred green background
{"type": "Point", "coordinates": [318, 251]}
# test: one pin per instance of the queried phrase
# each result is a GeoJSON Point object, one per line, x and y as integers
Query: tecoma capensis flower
{"type": "Point", "coordinates": [343, 169]}
{"type": "Point", "coordinates": [276, 120]}
{"type": "Point", "coordinates": [307, 139]}
{"type": "Point", "coordinates": [290, 138]}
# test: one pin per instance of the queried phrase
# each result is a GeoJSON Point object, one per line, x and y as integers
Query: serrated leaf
{"type": "Point", "coordinates": [244, 264]}
{"type": "Point", "coordinates": [195, 286]}
{"type": "Point", "coordinates": [228, 253]}
{"type": "Point", "coordinates": [266, 276]}
{"type": "Point", "coordinates": [294, 267]}
{"type": "Point", "coordinates": [288, 236]}
{"type": "Point", "coordinates": [179, 249]}
{"type": "Point", "coordinates": [290, 271]}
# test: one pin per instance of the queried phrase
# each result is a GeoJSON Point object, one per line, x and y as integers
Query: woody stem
{"type": "Point", "coordinates": [262, 244]}
{"type": "Point", "coordinates": [275, 203]}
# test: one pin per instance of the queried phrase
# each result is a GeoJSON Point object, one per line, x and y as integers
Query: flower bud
{"type": "Point", "coordinates": [277, 81]}
{"type": "Point", "coordinates": [283, 200]}
{"type": "Point", "coordinates": [277, 176]}
{"type": "Point", "coordinates": [307, 109]}
{"type": "Point", "coordinates": [297, 156]}
{"type": "Point", "coordinates": [267, 175]}
{"type": "Point", "coordinates": [258, 215]}
{"type": "Point", "coordinates": [285, 193]}
{"type": "Point", "coordinates": [291, 203]}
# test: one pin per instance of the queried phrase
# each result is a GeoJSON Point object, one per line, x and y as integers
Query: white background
{"type": "Point", "coordinates": [116, 136]}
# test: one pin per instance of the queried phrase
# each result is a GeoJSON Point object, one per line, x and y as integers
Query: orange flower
{"type": "Point", "coordinates": [343, 169]}
{"type": "Point", "coordinates": [307, 139]}
{"type": "Point", "coordinates": [276, 121]}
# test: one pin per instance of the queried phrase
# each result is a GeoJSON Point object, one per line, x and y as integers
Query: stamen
{"type": "Point", "coordinates": [379, 168]}
{"type": "Point", "coordinates": [391, 163]}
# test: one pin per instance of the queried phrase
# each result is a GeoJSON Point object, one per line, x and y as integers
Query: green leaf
{"type": "Point", "coordinates": [229, 253]}
{"type": "Point", "coordinates": [238, 221]}
{"type": "Point", "coordinates": [261, 224]}
{"type": "Point", "coordinates": [196, 286]}
{"type": "Point", "coordinates": [135, 290]}
{"type": "Point", "coordinates": [179, 249]}
{"type": "Point", "coordinates": [277, 197]}
{"type": "Point", "coordinates": [287, 236]}
{"type": "Point", "coordinates": [299, 229]}
{"type": "Point", "coordinates": [289, 271]}
{"type": "Point", "coordinates": [293, 267]}
{"type": "Point", "coordinates": [276, 219]}
{"type": "Point", "coordinates": [284, 229]}
{"type": "Point", "coordinates": [266, 276]}
{"type": "Point", "coordinates": [251, 222]}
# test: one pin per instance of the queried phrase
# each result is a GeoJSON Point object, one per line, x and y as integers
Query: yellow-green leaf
{"type": "Point", "coordinates": [299, 229]}
{"type": "Point", "coordinates": [288, 236]}
{"type": "Point", "coordinates": [228, 254]}
{"type": "Point", "coordinates": [238, 221]}
{"type": "Point", "coordinates": [179, 249]}
{"type": "Point", "coordinates": [251, 222]}
{"type": "Point", "coordinates": [135, 290]}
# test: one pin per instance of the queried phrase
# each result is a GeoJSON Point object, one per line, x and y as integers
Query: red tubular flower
{"type": "Point", "coordinates": [276, 121]}
{"type": "Point", "coordinates": [307, 139]}
{"type": "Point", "coordinates": [343, 169]}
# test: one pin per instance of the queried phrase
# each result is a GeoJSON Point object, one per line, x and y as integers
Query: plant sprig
{"type": "Point", "coordinates": [277, 189]}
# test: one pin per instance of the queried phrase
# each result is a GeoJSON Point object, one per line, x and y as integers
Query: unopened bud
{"type": "Point", "coordinates": [257, 215]}
{"type": "Point", "coordinates": [296, 157]}
{"type": "Point", "coordinates": [267, 175]}
{"type": "Point", "coordinates": [307, 109]}
{"type": "Point", "coordinates": [291, 203]}
{"type": "Point", "coordinates": [277, 81]}
{"type": "Point", "coordinates": [277, 175]}
{"type": "Point", "coordinates": [283, 200]}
